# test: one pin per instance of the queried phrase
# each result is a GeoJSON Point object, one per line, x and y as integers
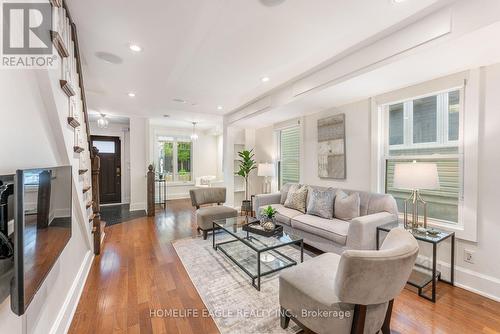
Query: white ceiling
{"type": "Point", "coordinates": [469, 51]}
{"type": "Point", "coordinates": [214, 52]}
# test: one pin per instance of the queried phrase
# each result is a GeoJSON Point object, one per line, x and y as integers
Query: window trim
{"type": "Point", "coordinates": [471, 84]}
{"type": "Point", "coordinates": [175, 140]}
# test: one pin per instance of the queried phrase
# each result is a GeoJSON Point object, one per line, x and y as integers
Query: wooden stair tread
{"type": "Point", "coordinates": [73, 122]}
{"type": "Point", "coordinates": [78, 149]}
{"type": "Point", "coordinates": [85, 189]}
{"type": "Point", "coordinates": [89, 204]}
{"type": "Point", "coordinates": [82, 171]}
{"type": "Point", "coordinates": [67, 88]}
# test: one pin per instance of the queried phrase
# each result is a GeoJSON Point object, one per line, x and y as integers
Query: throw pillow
{"type": "Point", "coordinates": [296, 199]}
{"type": "Point", "coordinates": [346, 206]}
{"type": "Point", "coordinates": [321, 203]}
{"type": "Point", "coordinates": [286, 188]}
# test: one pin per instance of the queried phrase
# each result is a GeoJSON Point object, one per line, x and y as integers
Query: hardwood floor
{"type": "Point", "coordinates": [139, 270]}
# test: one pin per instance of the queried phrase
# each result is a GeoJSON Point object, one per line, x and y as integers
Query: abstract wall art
{"type": "Point", "coordinates": [331, 147]}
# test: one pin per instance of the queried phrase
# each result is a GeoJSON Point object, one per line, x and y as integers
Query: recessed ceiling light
{"type": "Point", "coordinates": [179, 100]}
{"type": "Point", "coordinates": [264, 79]}
{"type": "Point", "coordinates": [135, 47]}
{"type": "Point", "coordinates": [398, 1]}
{"type": "Point", "coordinates": [166, 116]}
{"type": "Point", "coordinates": [131, 94]}
{"type": "Point", "coordinates": [220, 107]}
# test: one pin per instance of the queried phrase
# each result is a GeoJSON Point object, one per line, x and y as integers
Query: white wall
{"type": "Point", "coordinates": [358, 149]}
{"type": "Point", "coordinates": [483, 276]}
{"type": "Point", "coordinates": [123, 132]}
{"type": "Point", "coordinates": [34, 134]}
{"type": "Point", "coordinates": [138, 162]}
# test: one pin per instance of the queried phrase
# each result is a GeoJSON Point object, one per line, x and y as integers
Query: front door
{"type": "Point", "coordinates": [110, 174]}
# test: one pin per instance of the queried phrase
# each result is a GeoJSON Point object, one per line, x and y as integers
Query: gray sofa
{"type": "Point", "coordinates": [206, 215]}
{"type": "Point", "coordinates": [333, 235]}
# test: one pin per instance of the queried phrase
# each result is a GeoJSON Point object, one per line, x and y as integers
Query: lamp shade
{"type": "Point", "coordinates": [416, 176]}
{"type": "Point", "coordinates": [265, 169]}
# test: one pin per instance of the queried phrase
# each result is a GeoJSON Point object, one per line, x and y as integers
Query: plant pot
{"type": "Point", "coordinates": [246, 205]}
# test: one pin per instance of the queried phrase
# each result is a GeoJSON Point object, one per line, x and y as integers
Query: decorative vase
{"type": "Point", "coordinates": [268, 226]}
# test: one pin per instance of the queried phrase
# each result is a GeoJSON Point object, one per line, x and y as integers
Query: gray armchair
{"type": "Point", "coordinates": [206, 215]}
{"type": "Point", "coordinates": [351, 293]}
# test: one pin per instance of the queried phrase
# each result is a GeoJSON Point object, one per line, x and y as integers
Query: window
{"type": "Point", "coordinates": [174, 159]}
{"type": "Point", "coordinates": [427, 129]}
{"type": "Point", "coordinates": [289, 149]}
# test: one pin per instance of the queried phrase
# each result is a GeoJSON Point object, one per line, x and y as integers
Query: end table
{"type": "Point", "coordinates": [421, 275]}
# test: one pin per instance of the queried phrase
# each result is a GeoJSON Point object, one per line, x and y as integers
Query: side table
{"type": "Point", "coordinates": [421, 275]}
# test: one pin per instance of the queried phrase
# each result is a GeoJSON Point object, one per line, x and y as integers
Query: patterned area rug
{"type": "Point", "coordinates": [235, 305]}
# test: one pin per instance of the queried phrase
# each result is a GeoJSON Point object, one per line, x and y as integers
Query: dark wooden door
{"type": "Point", "coordinates": [110, 175]}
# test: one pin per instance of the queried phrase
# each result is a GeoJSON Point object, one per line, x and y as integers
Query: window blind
{"type": "Point", "coordinates": [290, 155]}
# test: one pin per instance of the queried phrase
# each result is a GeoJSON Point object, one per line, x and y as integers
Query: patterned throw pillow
{"type": "Point", "coordinates": [286, 188]}
{"type": "Point", "coordinates": [321, 203]}
{"type": "Point", "coordinates": [347, 206]}
{"type": "Point", "coordinates": [296, 198]}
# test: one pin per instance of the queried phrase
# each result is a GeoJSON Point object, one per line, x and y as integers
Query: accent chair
{"type": "Point", "coordinates": [351, 293]}
{"type": "Point", "coordinates": [207, 214]}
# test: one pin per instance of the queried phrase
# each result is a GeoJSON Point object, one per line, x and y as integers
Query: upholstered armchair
{"type": "Point", "coordinates": [206, 215]}
{"type": "Point", "coordinates": [351, 293]}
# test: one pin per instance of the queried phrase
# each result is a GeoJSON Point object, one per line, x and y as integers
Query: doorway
{"type": "Point", "coordinates": [110, 174]}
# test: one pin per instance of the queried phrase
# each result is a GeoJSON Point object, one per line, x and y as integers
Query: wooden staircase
{"type": "Point", "coordinates": [65, 40]}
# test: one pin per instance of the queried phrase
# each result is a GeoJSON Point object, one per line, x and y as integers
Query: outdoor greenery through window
{"type": "Point", "coordinates": [289, 148]}
{"type": "Point", "coordinates": [174, 159]}
{"type": "Point", "coordinates": [427, 129]}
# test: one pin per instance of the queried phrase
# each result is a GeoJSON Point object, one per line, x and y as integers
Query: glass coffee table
{"type": "Point", "coordinates": [256, 255]}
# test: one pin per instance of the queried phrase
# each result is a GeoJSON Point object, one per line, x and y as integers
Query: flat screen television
{"type": "Point", "coordinates": [42, 228]}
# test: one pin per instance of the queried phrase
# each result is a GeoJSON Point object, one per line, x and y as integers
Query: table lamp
{"type": "Point", "coordinates": [266, 170]}
{"type": "Point", "coordinates": [415, 176]}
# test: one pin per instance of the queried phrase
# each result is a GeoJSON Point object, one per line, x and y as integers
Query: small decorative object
{"type": "Point", "coordinates": [247, 165]}
{"type": "Point", "coordinates": [415, 176]}
{"type": "Point", "coordinates": [331, 147]}
{"type": "Point", "coordinates": [266, 170]}
{"type": "Point", "coordinates": [268, 226]}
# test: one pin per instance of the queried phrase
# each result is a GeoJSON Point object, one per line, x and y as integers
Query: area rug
{"type": "Point", "coordinates": [235, 305]}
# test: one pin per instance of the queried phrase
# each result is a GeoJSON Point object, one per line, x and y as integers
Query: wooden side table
{"type": "Point", "coordinates": [421, 275]}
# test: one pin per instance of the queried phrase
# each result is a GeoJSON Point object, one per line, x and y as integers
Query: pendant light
{"type": "Point", "coordinates": [102, 122]}
{"type": "Point", "coordinates": [194, 136]}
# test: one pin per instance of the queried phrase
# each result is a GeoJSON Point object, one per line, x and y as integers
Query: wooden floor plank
{"type": "Point", "coordinates": [138, 270]}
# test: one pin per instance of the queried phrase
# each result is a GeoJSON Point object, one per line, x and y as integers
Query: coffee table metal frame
{"type": "Point", "coordinates": [256, 279]}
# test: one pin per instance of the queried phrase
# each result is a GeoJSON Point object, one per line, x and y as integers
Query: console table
{"type": "Point", "coordinates": [421, 275]}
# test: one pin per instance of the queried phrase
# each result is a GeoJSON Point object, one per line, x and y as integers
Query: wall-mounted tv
{"type": "Point", "coordinates": [42, 228]}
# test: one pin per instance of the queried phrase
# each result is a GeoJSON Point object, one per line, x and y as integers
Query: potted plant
{"type": "Point", "coordinates": [247, 165]}
{"type": "Point", "coordinates": [267, 222]}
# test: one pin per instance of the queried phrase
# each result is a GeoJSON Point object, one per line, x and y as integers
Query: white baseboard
{"type": "Point", "coordinates": [137, 206]}
{"type": "Point", "coordinates": [65, 316]}
{"type": "Point", "coordinates": [484, 285]}
{"type": "Point", "coordinates": [478, 283]}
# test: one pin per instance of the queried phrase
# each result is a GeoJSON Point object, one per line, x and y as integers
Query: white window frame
{"type": "Point", "coordinates": [175, 140]}
{"type": "Point", "coordinates": [470, 108]}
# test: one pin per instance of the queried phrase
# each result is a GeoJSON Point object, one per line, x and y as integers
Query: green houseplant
{"type": "Point", "coordinates": [247, 165]}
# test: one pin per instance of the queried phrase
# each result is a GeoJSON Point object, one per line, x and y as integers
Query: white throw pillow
{"type": "Point", "coordinates": [346, 207]}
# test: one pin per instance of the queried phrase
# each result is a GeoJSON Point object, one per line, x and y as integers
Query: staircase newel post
{"type": "Point", "coordinates": [151, 191]}
{"type": "Point", "coordinates": [96, 208]}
